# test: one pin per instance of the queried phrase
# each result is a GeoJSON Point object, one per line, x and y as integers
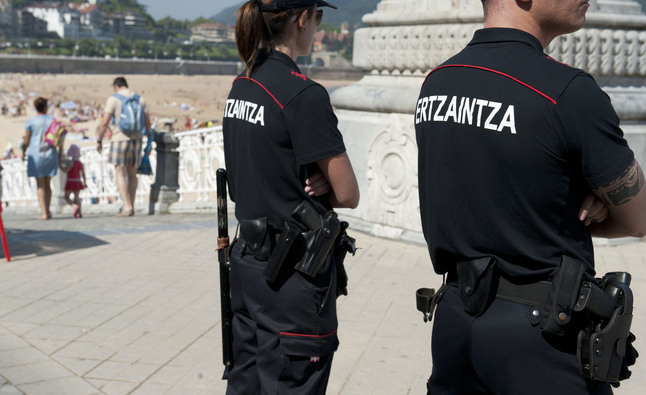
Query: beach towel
{"type": "Point", "coordinates": [145, 168]}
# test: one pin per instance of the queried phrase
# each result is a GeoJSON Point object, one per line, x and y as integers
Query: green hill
{"type": "Point", "coordinates": [350, 11]}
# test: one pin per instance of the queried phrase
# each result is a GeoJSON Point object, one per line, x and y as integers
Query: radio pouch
{"type": "Point", "coordinates": [476, 279]}
{"type": "Point", "coordinates": [281, 250]}
{"type": "Point", "coordinates": [256, 236]}
{"type": "Point", "coordinates": [562, 299]}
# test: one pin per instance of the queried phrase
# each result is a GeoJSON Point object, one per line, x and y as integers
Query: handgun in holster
{"type": "Point", "coordinates": [319, 239]}
{"type": "Point", "coordinates": [604, 346]}
{"type": "Point", "coordinates": [598, 315]}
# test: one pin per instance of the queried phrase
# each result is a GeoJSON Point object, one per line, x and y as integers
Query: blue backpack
{"type": "Point", "coordinates": [132, 119]}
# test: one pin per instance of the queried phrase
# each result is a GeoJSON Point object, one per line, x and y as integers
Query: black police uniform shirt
{"type": "Point", "coordinates": [277, 124]}
{"type": "Point", "coordinates": [510, 142]}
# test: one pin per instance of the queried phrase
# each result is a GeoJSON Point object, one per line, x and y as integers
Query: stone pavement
{"type": "Point", "coordinates": [116, 306]}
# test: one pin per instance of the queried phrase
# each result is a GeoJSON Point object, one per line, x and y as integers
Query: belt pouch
{"type": "Point", "coordinates": [319, 244]}
{"type": "Point", "coordinates": [476, 279]}
{"type": "Point", "coordinates": [562, 299]}
{"type": "Point", "coordinates": [282, 248]}
{"type": "Point", "coordinates": [258, 242]}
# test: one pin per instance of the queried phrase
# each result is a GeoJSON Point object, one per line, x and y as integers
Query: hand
{"type": "Point", "coordinates": [317, 185]}
{"type": "Point", "coordinates": [99, 146]}
{"type": "Point", "coordinates": [593, 210]}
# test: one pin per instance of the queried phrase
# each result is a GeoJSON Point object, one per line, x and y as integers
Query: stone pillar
{"type": "Point", "coordinates": [164, 191]}
{"type": "Point", "coordinates": [406, 39]}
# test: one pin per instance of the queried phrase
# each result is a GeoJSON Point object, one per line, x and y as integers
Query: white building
{"type": "Point", "coordinates": [213, 32]}
{"type": "Point", "coordinates": [62, 20]}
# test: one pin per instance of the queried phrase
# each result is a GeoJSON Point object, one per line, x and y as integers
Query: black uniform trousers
{"type": "Point", "coordinates": [501, 352]}
{"type": "Point", "coordinates": [284, 333]}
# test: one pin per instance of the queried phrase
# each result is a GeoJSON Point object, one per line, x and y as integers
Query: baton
{"type": "Point", "coordinates": [225, 285]}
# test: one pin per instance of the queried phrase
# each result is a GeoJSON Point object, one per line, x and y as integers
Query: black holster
{"type": "Point", "coordinates": [319, 239]}
{"type": "Point", "coordinates": [596, 317]}
{"type": "Point", "coordinates": [604, 346]}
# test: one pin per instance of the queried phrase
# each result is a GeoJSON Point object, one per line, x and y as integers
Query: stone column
{"type": "Point", "coordinates": [406, 39]}
{"type": "Point", "coordinates": [164, 191]}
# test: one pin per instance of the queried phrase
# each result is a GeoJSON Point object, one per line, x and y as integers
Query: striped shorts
{"type": "Point", "coordinates": [125, 153]}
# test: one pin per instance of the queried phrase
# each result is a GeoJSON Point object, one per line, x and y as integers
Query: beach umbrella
{"type": "Point", "coordinates": [68, 105]}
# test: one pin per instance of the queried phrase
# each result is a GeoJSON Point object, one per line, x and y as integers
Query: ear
{"type": "Point", "coordinates": [302, 20]}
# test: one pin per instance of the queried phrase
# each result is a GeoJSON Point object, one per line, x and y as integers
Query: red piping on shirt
{"type": "Point", "coordinates": [496, 72]}
{"type": "Point", "coordinates": [302, 335]}
{"type": "Point", "coordinates": [262, 86]}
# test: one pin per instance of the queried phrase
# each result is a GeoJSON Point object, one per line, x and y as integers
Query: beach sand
{"type": "Point", "coordinates": [168, 96]}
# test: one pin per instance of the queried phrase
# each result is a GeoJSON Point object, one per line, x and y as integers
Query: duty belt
{"type": "Point", "coordinates": [594, 316]}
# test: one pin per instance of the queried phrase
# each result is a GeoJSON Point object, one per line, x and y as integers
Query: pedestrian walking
{"type": "Point", "coordinates": [131, 121]}
{"type": "Point", "coordinates": [75, 179]}
{"type": "Point", "coordinates": [42, 157]}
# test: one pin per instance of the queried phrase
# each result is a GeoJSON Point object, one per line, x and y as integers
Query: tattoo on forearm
{"type": "Point", "coordinates": [624, 188]}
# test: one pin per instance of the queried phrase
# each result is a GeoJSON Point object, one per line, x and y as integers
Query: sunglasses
{"type": "Point", "coordinates": [319, 17]}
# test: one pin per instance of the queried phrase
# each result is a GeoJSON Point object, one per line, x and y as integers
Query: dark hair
{"type": "Point", "coordinates": [41, 104]}
{"type": "Point", "coordinates": [256, 31]}
{"type": "Point", "coordinates": [120, 82]}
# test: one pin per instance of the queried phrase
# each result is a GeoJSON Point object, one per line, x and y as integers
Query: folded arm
{"type": "Point", "coordinates": [344, 190]}
{"type": "Point", "coordinates": [625, 202]}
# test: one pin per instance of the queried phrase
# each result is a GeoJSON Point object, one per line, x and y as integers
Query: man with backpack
{"type": "Point", "coordinates": [131, 120]}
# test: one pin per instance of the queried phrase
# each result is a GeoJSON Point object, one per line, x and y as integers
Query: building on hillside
{"type": "Point", "coordinates": [7, 19]}
{"type": "Point", "coordinates": [213, 32]}
{"type": "Point", "coordinates": [62, 20]}
{"type": "Point", "coordinates": [131, 25]}
{"type": "Point", "coordinates": [30, 26]}
{"type": "Point", "coordinates": [323, 41]}
{"type": "Point", "coordinates": [91, 21]}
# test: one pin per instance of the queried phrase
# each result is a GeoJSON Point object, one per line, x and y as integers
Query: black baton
{"type": "Point", "coordinates": [223, 258]}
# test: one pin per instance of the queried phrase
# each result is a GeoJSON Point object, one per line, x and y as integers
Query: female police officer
{"type": "Point", "coordinates": [282, 147]}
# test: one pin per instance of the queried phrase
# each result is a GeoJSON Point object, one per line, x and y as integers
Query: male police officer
{"type": "Point", "coordinates": [521, 160]}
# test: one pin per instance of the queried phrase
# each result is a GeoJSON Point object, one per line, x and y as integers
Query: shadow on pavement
{"type": "Point", "coordinates": [24, 242]}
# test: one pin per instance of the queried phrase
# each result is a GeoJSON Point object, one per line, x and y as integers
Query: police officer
{"type": "Point", "coordinates": [521, 161]}
{"type": "Point", "coordinates": [282, 147]}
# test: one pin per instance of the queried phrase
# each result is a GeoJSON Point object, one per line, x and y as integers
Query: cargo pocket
{"type": "Point", "coordinates": [306, 361]}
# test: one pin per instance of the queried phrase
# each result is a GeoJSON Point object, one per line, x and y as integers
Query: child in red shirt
{"type": "Point", "coordinates": [75, 179]}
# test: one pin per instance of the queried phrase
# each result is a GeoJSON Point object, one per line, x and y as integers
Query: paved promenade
{"type": "Point", "coordinates": [117, 306]}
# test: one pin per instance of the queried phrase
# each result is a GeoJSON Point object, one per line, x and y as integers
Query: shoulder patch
{"type": "Point", "coordinates": [299, 75]}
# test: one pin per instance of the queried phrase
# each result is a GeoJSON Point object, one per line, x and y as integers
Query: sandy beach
{"type": "Point", "coordinates": [200, 98]}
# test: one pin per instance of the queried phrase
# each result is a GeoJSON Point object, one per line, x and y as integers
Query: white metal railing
{"type": "Point", "coordinates": [18, 190]}
{"type": "Point", "coordinates": [201, 153]}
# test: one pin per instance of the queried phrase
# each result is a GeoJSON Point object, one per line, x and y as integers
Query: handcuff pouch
{"type": "Point", "coordinates": [476, 283]}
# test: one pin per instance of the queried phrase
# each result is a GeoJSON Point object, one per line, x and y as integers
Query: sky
{"type": "Point", "coordinates": [186, 9]}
